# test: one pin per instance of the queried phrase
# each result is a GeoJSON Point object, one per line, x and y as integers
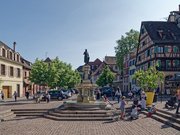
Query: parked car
{"type": "Point", "coordinates": [67, 93]}
{"type": "Point", "coordinates": [39, 96]}
{"type": "Point", "coordinates": [76, 91]}
{"type": "Point", "coordinates": [108, 91]}
{"type": "Point", "coordinates": [56, 94]}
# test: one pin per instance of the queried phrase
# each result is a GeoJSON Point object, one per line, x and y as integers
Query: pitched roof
{"type": "Point", "coordinates": [110, 60]}
{"type": "Point", "coordinates": [96, 62]}
{"type": "Point", "coordinates": [79, 69]}
{"type": "Point", "coordinates": [100, 68]}
{"type": "Point", "coordinates": [47, 60]}
{"type": "Point", "coordinates": [7, 47]}
{"type": "Point", "coordinates": [26, 63]}
{"type": "Point", "coordinates": [162, 32]}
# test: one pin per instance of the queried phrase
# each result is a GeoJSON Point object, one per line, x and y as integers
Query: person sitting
{"type": "Point", "coordinates": [143, 100]}
{"type": "Point", "coordinates": [151, 111]}
{"type": "Point", "coordinates": [109, 105]}
{"type": "Point", "coordinates": [171, 102]}
{"type": "Point", "coordinates": [135, 100]}
{"type": "Point", "coordinates": [134, 113]}
{"type": "Point", "coordinates": [130, 94]}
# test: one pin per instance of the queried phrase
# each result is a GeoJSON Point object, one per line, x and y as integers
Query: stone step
{"type": "Point", "coordinates": [30, 110]}
{"type": "Point", "coordinates": [6, 111]}
{"type": "Point", "coordinates": [169, 117]}
{"type": "Point", "coordinates": [24, 112]}
{"type": "Point", "coordinates": [7, 114]}
{"type": "Point", "coordinates": [77, 118]}
{"type": "Point", "coordinates": [78, 115]}
{"type": "Point", "coordinates": [79, 112]}
{"type": "Point", "coordinates": [29, 114]}
{"type": "Point", "coordinates": [81, 109]}
{"type": "Point", "coordinates": [164, 120]}
{"type": "Point", "coordinates": [169, 113]}
{"type": "Point", "coordinates": [9, 117]}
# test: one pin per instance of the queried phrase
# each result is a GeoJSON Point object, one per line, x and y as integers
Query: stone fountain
{"type": "Point", "coordinates": [85, 98]}
{"type": "Point", "coordinates": [85, 108]}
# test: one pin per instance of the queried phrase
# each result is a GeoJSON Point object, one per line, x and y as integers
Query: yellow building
{"type": "Point", "coordinates": [11, 70]}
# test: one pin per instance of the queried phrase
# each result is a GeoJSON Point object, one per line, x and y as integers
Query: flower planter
{"type": "Point", "coordinates": [149, 98]}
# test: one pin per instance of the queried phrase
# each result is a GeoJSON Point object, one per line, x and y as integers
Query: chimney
{"type": "Point", "coordinates": [14, 46]}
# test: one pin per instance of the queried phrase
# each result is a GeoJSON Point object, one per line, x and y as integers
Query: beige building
{"type": "Point", "coordinates": [11, 70]}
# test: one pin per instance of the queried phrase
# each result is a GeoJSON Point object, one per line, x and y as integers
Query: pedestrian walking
{"type": "Point", "coordinates": [113, 93]}
{"type": "Point", "coordinates": [178, 97]}
{"type": "Point", "coordinates": [2, 95]}
{"type": "Point", "coordinates": [118, 94]}
{"type": "Point", "coordinates": [27, 94]}
{"type": "Point", "coordinates": [48, 97]}
{"type": "Point", "coordinates": [143, 100]}
{"type": "Point", "coordinates": [98, 94]}
{"type": "Point", "coordinates": [15, 96]}
{"type": "Point", "coordinates": [122, 107]}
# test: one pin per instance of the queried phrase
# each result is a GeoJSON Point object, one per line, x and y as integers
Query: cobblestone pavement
{"type": "Point", "coordinates": [22, 103]}
{"type": "Point", "coordinates": [42, 126]}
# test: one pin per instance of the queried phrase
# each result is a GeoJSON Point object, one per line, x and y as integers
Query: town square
{"type": "Point", "coordinates": [90, 67]}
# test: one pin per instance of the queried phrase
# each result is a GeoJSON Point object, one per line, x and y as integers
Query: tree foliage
{"type": "Point", "coordinates": [126, 44]}
{"type": "Point", "coordinates": [149, 80]}
{"type": "Point", "coordinates": [106, 77]}
{"type": "Point", "coordinates": [54, 74]}
{"type": "Point", "coordinates": [39, 72]}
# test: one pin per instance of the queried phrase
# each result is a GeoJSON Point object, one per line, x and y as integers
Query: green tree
{"type": "Point", "coordinates": [39, 72]}
{"type": "Point", "coordinates": [54, 71]}
{"type": "Point", "coordinates": [106, 77]}
{"type": "Point", "coordinates": [54, 74]}
{"type": "Point", "coordinates": [149, 80]}
{"type": "Point", "coordinates": [126, 44]}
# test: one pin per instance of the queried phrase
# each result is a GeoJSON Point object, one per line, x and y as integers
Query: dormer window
{"type": "Point", "coordinates": [160, 33]}
{"type": "Point", "coordinates": [18, 58]}
{"type": "Point", "coordinates": [10, 54]}
{"type": "Point", "coordinates": [3, 52]}
{"type": "Point", "coordinates": [14, 57]}
{"type": "Point", "coordinates": [142, 31]}
{"type": "Point", "coordinates": [173, 35]}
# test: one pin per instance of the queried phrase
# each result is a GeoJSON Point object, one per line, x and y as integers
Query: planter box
{"type": "Point", "coordinates": [149, 97]}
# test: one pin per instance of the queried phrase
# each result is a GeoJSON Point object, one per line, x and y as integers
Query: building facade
{"type": "Point", "coordinates": [11, 71]}
{"type": "Point", "coordinates": [159, 42]}
{"type": "Point", "coordinates": [111, 62]}
{"type": "Point", "coordinates": [97, 68]}
{"type": "Point", "coordinates": [132, 69]}
{"type": "Point", "coordinates": [126, 73]}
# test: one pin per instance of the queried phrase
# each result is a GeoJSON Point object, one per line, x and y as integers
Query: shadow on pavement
{"type": "Point", "coordinates": [165, 126]}
{"type": "Point", "coordinates": [23, 118]}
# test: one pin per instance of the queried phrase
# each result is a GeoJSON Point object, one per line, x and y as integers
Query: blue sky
{"type": "Point", "coordinates": [65, 28]}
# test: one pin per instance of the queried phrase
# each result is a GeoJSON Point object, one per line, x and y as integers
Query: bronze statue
{"type": "Point", "coordinates": [86, 57]}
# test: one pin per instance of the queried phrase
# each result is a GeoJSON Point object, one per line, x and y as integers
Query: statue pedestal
{"type": "Point", "coordinates": [86, 87]}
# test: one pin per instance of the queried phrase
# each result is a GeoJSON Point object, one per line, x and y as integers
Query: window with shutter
{"type": "Point", "coordinates": [175, 49]}
{"type": "Point", "coordinates": [3, 69]}
{"type": "Point", "coordinates": [176, 63]}
{"type": "Point", "coordinates": [168, 63]}
{"type": "Point", "coordinates": [11, 71]}
{"type": "Point", "coordinates": [166, 49]}
{"type": "Point", "coordinates": [156, 49]}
